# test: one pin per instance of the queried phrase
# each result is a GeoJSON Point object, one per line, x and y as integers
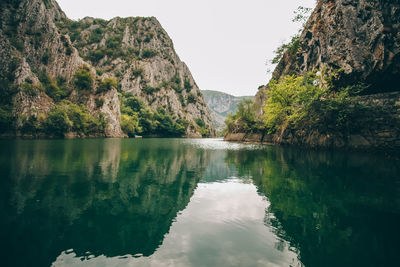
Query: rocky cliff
{"type": "Point", "coordinates": [361, 39]}
{"type": "Point", "coordinates": [221, 105]}
{"type": "Point", "coordinates": [46, 58]}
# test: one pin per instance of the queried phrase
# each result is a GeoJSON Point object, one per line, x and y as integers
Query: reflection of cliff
{"type": "Point", "coordinates": [111, 197]}
{"type": "Point", "coordinates": [336, 209]}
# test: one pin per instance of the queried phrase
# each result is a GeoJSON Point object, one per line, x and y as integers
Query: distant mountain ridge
{"type": "Point", "coordinates": [221, 105]}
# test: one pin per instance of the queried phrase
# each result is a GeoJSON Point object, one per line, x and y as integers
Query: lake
{"type": "Point", "coordinates": [195, 202]}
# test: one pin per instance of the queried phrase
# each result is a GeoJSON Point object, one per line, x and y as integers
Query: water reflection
{"type": "Point", "coordinates": [174, 202]}
{"type": "Point", "coordinates": [337, 209]}
{"type": "Point", "coordinates": [105, 197]}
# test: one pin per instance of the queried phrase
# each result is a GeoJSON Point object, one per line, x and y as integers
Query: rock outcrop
{"type": "Point", "coordinates": [362, 39]}
{"type": "Point", "coordinates": [37, 40]}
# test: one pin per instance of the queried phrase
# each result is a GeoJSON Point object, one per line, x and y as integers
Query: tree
{"type": "Point", "coordinates": [83, 79]}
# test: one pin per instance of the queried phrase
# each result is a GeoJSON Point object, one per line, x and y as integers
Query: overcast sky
{"type": "Point", "coordinates": [225, 43]}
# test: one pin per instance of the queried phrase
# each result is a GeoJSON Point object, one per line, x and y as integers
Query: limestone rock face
{"type": "Point", "coordinates": [221, 105]}
{"type": "Point", "coordinates": [139, 54]}
{"type": "Point", "coordinates": [37, 38]}
{"type": "Point", "coordinates": [361, 37]}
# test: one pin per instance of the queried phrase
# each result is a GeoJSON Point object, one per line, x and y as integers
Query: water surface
{"type": "Point", "coordinates": [183, 202]}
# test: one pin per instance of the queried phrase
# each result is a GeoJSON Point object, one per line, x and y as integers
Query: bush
{"type": "Point", "coordinates": [58, 122]}
{"type": "Point", "coordinates": [56, 89]}
{"type": "Point", "coordinates": [203, 128]}
{"type": "Point", "coordinates": [135, 103]}
{"type": "Point", "coordinates": [191, 98]}
{"type": "Point", "coordinates": [99, 102]}
{"type": "Point", "coordinates": [130, 124]}
{"type": "Point", "coordinates": [46, 56]}
{"type": "Point", "coordinates": [137, 72]}
{"type": "Point", "coordinates": [107, 84]}
{"type": "Point", "coordinates": [159, 122]}
{"type": "Point", "coordinates": [148, 53]}
{"type": "Point", "coordinates": [66, 117]}
{"type": "Point", "coordinates": [53, 90]}
{"type": "Point", "coordinates": [182, 100]}
{"type": "Point", "coordinates": [114, 42]}
{"type": "Point", "coordinates": [188, 86]}
{"type": "Point", "coordinates": [30, 89]}
{"type": "Point", "coordinates": [99, 72]}
{"type": "Point", "coordinates": [309, 102]}
{"type": "Point", "coordinates": [245, 119]}
{"type": "Point", "coordinates": [96, 55]}
{"type": "Point", "coordinates": [149, 90]}
{"type": "Point", "coordinates": [83, 79]}
{"type": "Point", "coordinates": [96, 36]}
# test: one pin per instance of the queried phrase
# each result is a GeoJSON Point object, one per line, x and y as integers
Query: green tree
{"type": "Point", "coordinates": [107, 84]}
{"type": "Point", "coordinates": [83, 79]}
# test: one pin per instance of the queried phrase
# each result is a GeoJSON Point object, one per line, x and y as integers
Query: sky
{"type": "Point", "coordinates": [225, 43]}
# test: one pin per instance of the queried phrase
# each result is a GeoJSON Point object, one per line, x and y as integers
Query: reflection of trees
{"type": "Point", "coordinates": [111, 197]}
{"type": "Point", "coordinates": [336, 209]}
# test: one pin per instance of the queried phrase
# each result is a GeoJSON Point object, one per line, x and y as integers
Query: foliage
{"type": "Point", "coordinates": [148, 53]}
{"type": "Point", "coordinates": [149, 90]}
{"type": "Point", "coordinates": [55, 88]}
{"type": "Point", "coordinates": [150, 122]}
{"type": "Point", "coordinates": [191, 99]}
{"type": "Point", "coordinates": [292, 47]}
{"type": "Point", "coordinates": [187, 85]}
{"type": "Point", "coordinates": [130, 124]}
{"type": "Point", "coordinates": [31, 89]}
{"type": "Point", "coordinates": [106, 85]}
{"type": "Point", "coordinates": [114, 42]}
{"type": "Point", "coordinates": [58, 122]}
{"type": "Point", "coordinates": [83, 79]}
{"type": "Point", "coordinates": [200, 122]}
{"type": "Point", "coordinates": [310, 102]}
{"type": "Point", "coordinates": [203, 128]}
{"type": "Point", "coordinates": [96, 35]}
{"type": "Point", "coordinates": [301, 16]}
{"type": "Point", "coordinates": [46, 56]}
{"type": "Point", "coordinates": [66, 116]}
{"type": "Point", "coordinates": [99, 72]}
{"type": "Point", "coordinates": [175, 83]}
{"type": "Point", "coordinates": [182, 100]}
{"type": "Point", "coordinates": [245, 119]}
{"type": "Point", "coordinates": [99, 102]}
{"type": "Point", "coordinates": [137, 72]}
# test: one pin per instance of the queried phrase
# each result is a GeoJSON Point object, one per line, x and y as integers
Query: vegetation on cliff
{"type": "Point", "coordinates": [138, 119]}
{"type": "Point", "coordinates": [324, 90]}
{"type": "Point", "coordinates": [47, 59]}
{"type": "Point", "coordinates": [310, 102]}
{"type": "Point", "coordinates": [63, 118]}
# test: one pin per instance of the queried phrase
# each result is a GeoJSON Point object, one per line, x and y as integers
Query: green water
{"type": "Point", "coordinates": [178, 202]}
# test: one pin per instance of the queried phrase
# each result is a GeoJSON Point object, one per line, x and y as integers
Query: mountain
{"type": "Point", "coordinates": [93, 77]}
{"type": "Point", "coordinates": [221, 105]}
{"type": "Point", "coordinates": [357, 44]}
